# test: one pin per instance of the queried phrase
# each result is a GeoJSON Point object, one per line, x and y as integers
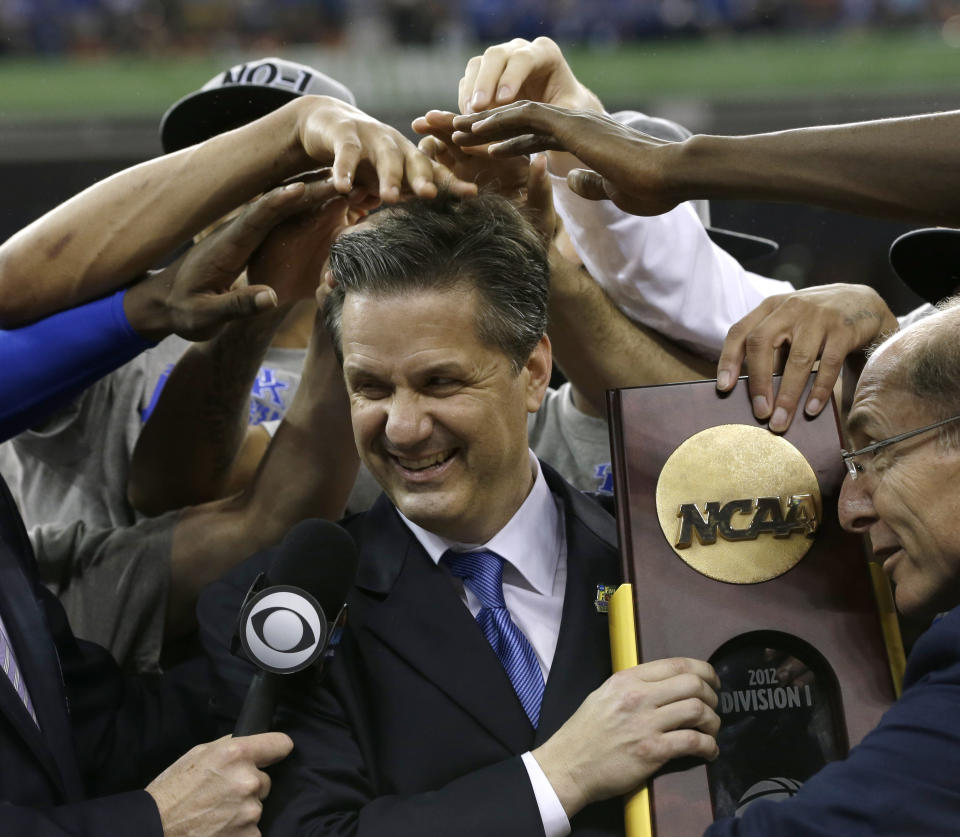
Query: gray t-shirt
{"type": "Point", "coordinates": [109, 565]}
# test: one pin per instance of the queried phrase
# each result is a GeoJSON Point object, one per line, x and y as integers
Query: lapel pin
{"type": "Point", "coordinates": [604, 592]}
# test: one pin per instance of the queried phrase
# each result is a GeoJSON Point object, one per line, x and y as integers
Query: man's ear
{"type": "Point", "coordinates": [538, 368]}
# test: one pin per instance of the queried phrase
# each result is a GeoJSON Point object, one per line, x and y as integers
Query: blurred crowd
{"type": "Point", "coordinates": [53, 27]}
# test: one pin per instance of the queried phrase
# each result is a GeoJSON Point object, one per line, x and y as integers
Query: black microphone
{"type": "Point", "coordinates": [289, 616]}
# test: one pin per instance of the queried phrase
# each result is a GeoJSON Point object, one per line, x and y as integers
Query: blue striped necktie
{"type": "Point", "coordinates": [11, 670]}
{"type": "Point", "coordinates": [482, 574]}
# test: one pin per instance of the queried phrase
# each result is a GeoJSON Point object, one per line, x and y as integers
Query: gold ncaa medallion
{"type": "Point", "coordinates": [738, 503]}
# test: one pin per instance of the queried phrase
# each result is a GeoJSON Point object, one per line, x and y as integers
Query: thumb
{"type": "Point", "coordinates": [210, 311]}
{"type": "Point", "coordinates": [588, 184]}
{"type": "Point", "coordinates": [268, 748]}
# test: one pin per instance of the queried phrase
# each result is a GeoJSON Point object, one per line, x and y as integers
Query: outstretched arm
{"type": "Point", "coordinates": [54, 359]}
{"type": "Point", "coordinates": [895, 168]}
{"type": "Point", "coordinates": [308, 471]}
{"type": "Point", "coordinates": [122, 226]}
{"type": "Point", "coordinates": [190, 448]}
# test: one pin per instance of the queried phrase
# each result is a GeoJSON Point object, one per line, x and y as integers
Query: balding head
{"type": "Point", "coordinates": [924, 360]}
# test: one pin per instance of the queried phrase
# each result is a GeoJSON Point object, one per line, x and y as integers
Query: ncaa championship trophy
{"type": "Point", "coordinates": [732, 553]}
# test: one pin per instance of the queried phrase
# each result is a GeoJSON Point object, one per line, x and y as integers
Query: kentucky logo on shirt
{"type": "Point", "coordinates": [604, 475]}
{"type": "Point", "coordinates": [266, 399]}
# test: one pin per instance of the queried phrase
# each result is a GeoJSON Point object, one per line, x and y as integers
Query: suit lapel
{"type": "Point", "coordinates": [36, 655]}
{"type": "Point", "coordinates": [581, 661]}
{"type": "Point", "coordinates": [422, 619]}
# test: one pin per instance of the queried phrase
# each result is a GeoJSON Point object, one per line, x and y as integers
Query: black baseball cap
{"type": "Point", "coordinates": [928, 262]}
{"type": "Point", "coordinates": [240, 95]}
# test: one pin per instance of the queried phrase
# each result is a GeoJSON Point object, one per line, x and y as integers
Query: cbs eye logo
{"type": "Point", "coordinates": [284, 629]}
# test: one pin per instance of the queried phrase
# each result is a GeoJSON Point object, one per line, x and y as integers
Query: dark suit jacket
{"type": "Point", "coordinates": [416, 729]}
{"type": "Point", "coordinates": [99, 733]}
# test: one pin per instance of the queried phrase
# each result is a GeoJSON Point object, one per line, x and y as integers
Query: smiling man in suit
{"type": "Point", "coordinates": [471, 692]}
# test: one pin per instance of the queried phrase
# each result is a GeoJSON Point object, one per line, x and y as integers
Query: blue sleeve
{"type": "Point", "coordinates": [49, 362]}
{"type": "Point", "coordinates": [902, 779]}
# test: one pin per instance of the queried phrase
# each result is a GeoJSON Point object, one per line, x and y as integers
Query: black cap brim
{"type": "Point", "coordinates": [743, 247]}
{"type": "Point", "coordinates": [206, 113]}
{"type": "Point", "coordinates": [928, 262]}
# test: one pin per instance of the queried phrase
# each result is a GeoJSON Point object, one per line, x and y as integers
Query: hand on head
{"type": "Point", "coordinates": [290, 259]}
{"type": "Point", "coordinates": [198, 293]}
{"type": "Point", "coordinates": [360, 149]}
{"type": "Point", "coordinates": [507, 176]}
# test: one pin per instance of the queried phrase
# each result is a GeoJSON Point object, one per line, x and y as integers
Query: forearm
{"type": "Point", "coordinates": [51, 361]}
{"type": "Point", "coordinates": [561, 162]}
{"type": "Point", "coordinates": [124, 225]}
{"type": "Point", "coordinates": [187, 447]}
{"type": "Point", "coordinates": [898, 168]}
{"type": "Point", "coordinates": [308, 471]}
{"type": "Point", "coordinates": [598, 348]}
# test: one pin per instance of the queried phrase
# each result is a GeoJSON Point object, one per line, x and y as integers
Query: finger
{"type": "Point", "coordinates": [691, 743]}
{"type": "Point", "coordinates": [832, 358]}
{"type": "Point", "coordinates": [347, 152]}
{"type": "Point", "coordinates": [434, 121]}
{"type": "Point", "coordinates": [453, 184]}
{"type": "Point", "coordinates": [587, 184]}
{"type": "Point", "coordinates": [673, 666]}
{"type": "Point", "coordinates": [314, 192]}
{"type": "Point", "coordinates": [437, 150]}
{"type": "Point", "coordinates": [734, 348]}
{"type": "Point", "coordinates": [691, 713]}
{"type": "Point", "coordinates": [660, 748]}
{"type": "Point", "coordinates": [264, 791]}
{"type": "Point", "coordinates": [804, 350]}
{"type": "Point", "coordinates": [524, 144]}
{"type": "Point", "coordinates": [466, 85]}
{"type": "Point", "coordinates": [487, 78]}
{"type": "Point", "coordinates": [243, 302]}
{"type": "Point", "coordinates": [516, 71]}
{"type": "Point", "coordinates": [267, 748]}
{"type": "Point", "coordinates": [760, 345]}
{"type": "Point", "coordinates": [681, 687]}
{"type": "Point", "coordinates": [511, 120]}
{"type": "Point", "coordinates": [419, 173]}
{"type": "Point", "coordinates": [540, 197]}
{"type": "Point", "coordinates": [388, 160]}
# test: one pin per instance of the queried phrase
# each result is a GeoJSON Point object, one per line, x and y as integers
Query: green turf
{"type": "Point", "coordinates": [785, 65]}
{"type": "Point", "coordinates": [719, 69]}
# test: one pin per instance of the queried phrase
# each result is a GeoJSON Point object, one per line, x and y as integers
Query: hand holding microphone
{"type": "Point", "coordinates": [288, 619]}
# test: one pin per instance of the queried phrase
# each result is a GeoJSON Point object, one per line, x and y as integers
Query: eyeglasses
{"type": "Point", "coordinates": [854, 468]}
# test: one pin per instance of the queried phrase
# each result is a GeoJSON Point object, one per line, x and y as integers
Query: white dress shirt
{"type": "Point", "coordinates": [663, 271]}
{"type": "Point", "coordinates": [533, 545]}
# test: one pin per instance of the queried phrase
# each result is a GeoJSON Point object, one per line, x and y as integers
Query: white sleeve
{"type": "Point", "coordinates": [663, 271]}
{"type": "Point", "coordinates": [555, 822]}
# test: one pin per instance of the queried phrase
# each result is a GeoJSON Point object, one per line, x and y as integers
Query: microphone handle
{"type": "Point", "coordinates": [256, 716]}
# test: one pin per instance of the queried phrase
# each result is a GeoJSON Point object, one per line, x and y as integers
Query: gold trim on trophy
{"type": "Point", "coordinates": [738, 503]}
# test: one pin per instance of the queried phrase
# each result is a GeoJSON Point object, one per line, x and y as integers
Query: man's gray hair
{"type": "Point", "coordinates": [482, 243]}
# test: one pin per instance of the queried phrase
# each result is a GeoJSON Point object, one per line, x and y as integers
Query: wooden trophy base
{"type": "Point", "coordinates": [731, 543]}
